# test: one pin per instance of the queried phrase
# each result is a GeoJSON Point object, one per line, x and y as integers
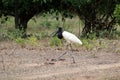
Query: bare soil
{"type": "Point", "coordinates": [34, 63]}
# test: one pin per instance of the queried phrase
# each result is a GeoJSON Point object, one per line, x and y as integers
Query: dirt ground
{"type": "Point", "coordinates": [34, 63]}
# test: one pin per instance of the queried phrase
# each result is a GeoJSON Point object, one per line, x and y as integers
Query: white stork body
{"type": "Point", "coordinates": [70, 38]}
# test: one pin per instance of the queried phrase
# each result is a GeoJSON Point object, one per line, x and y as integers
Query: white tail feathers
{"type": "Point", "coordinates": [71, 38]}
{"type": "Point", "coordinates": [80, 42]}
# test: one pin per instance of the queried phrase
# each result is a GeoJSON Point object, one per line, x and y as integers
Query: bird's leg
{"type": "Point", "coordinates": [63, 53]}
{"type": "Point", "coordinates": [72, 53]}
{"type": "Point", "coordinates": [58, 58]}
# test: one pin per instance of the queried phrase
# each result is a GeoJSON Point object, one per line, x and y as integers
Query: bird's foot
{"type": "Point", "coordinates": [53, 59]}
{"type": "Point", "coordinates": [61, 59]}
{"type": "Point", "coordinates": [73, 62]}
{"type": "Point", "coordinates": [49, 63]}
{"type": "Point", "coordinates": [57, 59]}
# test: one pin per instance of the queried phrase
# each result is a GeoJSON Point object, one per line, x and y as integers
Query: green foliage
{"type": "Point", "coordinates": [14, 33]}
{"type": "Point", "coordinates": [88, 44]}
{"type": "Point", "coordinates": [97, 15]}
{"type": "Point", "coordinates": [43, 34]}
{"type": "Point", "coordinates": [32, 40]}
{"type": "Point", "coordinates": [117, 13]}
{"type": "Point", "coordinates": [23, 10]}
{"type": "Point", "coordinates": [92, 36]}
{"type": "Point", "coordinates": [93, 11]}
{"type": "Point", "coordinates": [55, 42]}
{"type": "Point", "coordinates": [48, 21]}
{"type": "Point", "coordinates": [113, 34]}
{"type": "Point", "coordinates": [93, 44]}
{"type": "Point", "coordinates": [20, 41]}
{"type": "Point", "coordinates": [3, 19]}
{"type": "Point", "coordinates": [3, 35]}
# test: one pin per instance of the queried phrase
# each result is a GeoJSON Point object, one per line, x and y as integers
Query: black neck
{"type": "Point", "coordinates": [60, 36]}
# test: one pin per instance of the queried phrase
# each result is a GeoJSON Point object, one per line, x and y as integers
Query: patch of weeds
{"type": "Point", "coordinates": [102, 34]}
{"type": "Point", "coordinates": [10, 34]}
{"type": "Point", "coordinates": [113, 34]}
{"type": "Point", "coordinates": [3, 35]}
{"type": "Point", "coordinates": [20, 41]}
{"type": "Point", "coordinates": [94, 44]}
{"type": "Point", "coordinates": [44, 34]}
{"type": "Point", "coordinates": [41, 35]}
{"type": "Point", "coordinates": [47, 21]}
{"type": "Point", "coordinates": [103, 43]}
{"type": "Point", "coordinates": [92, 36]}
{"type": "Point", "coordinates": [46, 24]}
{"type": "Point", "coordinates": [32, 40]}
{"type": "Point", "coordinates": [55, 42]}
{"type": "Point", "coordinates": [87, 43]}
{"type": "Point", "coordinates": [13, 34]}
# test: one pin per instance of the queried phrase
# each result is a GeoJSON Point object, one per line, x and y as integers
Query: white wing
{"type": "Point", "coordinates": [71, 38]}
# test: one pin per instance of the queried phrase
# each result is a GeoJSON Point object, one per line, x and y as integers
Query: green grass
{"type": "Point", "coordinates": [42, 26]}
{"type": "Point", "coordinates": [55, 42]}
{"type": "Point", "coordinates": [32, 40]}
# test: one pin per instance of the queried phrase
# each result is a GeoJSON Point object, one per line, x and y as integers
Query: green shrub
{"type": "Point", "coordinates": [44, 34]}
{"type": "Point", "coordinates": [14, 33]}
{"type": "Point", "coordinates": [32, 40]}
{"type": "Point", "coordinates": [117, 13]}
{"type": "Point", "coordinates": [10, 34]}
{"type": "Point", "coordinates": [3, 35]}
{"type": "Point", "coordinates": [95, 44]}
{"type": "Point", "coordinates": [20, 40]}
{"type": "Point", "coordinates": [55, 42]}
{"type": "Point", "coordinates": [87, 43]}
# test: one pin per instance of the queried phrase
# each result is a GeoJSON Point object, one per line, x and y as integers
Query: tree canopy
{"type": "Point", "coordinates": [23, 10]}
{"type": "Point", "coordinates": [96, 14]}
{"type": "Point", "coordinates": [117, 13]}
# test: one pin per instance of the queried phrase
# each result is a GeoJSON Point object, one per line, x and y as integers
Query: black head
{"type": "Point", "coordinates": [59, 33]}
{"type": "Point", "coordinates": [59, 29]}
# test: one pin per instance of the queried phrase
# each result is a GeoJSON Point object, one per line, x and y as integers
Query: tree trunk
{"type": "Point", "coordinates": [87, 28]}
{"type": "Point", "coordinates": [17, 21]}
{"type": "Point", "coordinates": [21, 24]}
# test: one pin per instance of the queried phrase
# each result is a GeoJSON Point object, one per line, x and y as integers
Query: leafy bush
{"type": "Point", "coordinates": [91, 44]}
{"type": "Point", "coordinates": [87, 43]}
{"type": "Point", "coordinates": [117, 13]}
{"type": "Point", "coordinates": [113, 34]}
{"type": "Point", "coordinates": [44, 34]}
{"type": "Point", "coordinates": [32, 40]}
{"type": "Point", "coordinates": [10, 34]}
{"type": "Point", "coordinates": [14, 33]}
{"type": "Point", "coordinates": [92, 36]}
{"type": "Point", "coordinates": [3, 35]}
{"type": "Point", "coordinates": [20, 40]}
{"type": "Point", "coordinates": [55, 42]}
